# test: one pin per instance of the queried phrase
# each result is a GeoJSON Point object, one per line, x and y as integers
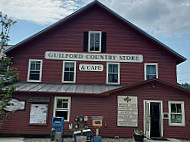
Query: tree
{"type": "Point", "coordinates": [7, 74]}
{"type": "Point", "coordinates": [184, 85]}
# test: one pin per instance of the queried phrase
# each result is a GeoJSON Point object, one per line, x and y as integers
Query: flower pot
{"type": "Point", "coordinates": [138, 138]}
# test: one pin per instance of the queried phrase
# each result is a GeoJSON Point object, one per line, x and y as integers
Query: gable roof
{"type": "Point", "coordinates": [179, 58]}
{"type": "Point", "coordinates": [135, 85]}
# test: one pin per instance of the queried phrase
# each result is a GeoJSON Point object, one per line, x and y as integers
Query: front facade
{"type": "Point", "coordinates": [96, 63]}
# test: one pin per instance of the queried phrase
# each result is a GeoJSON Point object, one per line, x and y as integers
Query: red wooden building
{"type": "Point", "coordinates": [96, 63]}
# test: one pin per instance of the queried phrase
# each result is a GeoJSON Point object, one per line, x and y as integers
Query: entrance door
{"type": "Point", "coordinates": [153, 123]}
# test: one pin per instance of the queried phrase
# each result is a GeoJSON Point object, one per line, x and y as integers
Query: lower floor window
{"type": "Point", "coordinates": [177, 115]}
{"type": "Point", "coordinates": [62, 107]}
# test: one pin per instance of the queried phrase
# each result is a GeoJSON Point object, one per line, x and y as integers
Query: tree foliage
{"type": "Point", "coordinates": [184, 85]}
{"type": "Point", "coordinates": [7, 73]}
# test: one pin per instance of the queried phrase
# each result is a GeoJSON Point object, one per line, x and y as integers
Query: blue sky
{"type": "Point", "coordinates": [168, 21]}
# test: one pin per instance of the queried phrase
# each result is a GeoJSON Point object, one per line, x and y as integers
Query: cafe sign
{"type": "Point", "coordinates": [131, 58]}
{"type": "Point", "coordinates": [90, 67]}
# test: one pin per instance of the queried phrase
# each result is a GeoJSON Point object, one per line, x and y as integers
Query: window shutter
{"type": "Point", "coordinates": [85, 42]}
{"type": "Point", "coordinates": [103, 42]}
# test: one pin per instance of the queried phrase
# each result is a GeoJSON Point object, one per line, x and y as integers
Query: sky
{"type": "Point", "coordinates": [166, 20]}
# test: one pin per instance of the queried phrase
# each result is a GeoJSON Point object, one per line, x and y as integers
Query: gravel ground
{"type": "Point", "coordinates": [71, 140]}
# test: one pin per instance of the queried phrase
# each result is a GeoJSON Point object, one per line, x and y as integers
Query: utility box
{"type": "Point", "coordinates": [58, 124]}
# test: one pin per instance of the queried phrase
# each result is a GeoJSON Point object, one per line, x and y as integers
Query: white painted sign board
{"type": "Point", "coordinates": [90, 67]}
{"type": "Point", "coordinates": [129, 58]}
{"type": "Point", "coordinates": [127, 111]}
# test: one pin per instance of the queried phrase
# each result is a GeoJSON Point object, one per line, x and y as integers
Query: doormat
{"type": "Point", "coordinates": [159, 139]}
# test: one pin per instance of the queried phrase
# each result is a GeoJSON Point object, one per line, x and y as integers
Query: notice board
{"type": "Point", "coordinates": [38, 113]}
{"type": "Point", "coordinates": [127, 111]}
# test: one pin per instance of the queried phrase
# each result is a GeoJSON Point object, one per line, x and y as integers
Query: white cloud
{"type": "Point", "coordinates": [161, 17]}
{"type": "Point", "coordinates": [38, 11]}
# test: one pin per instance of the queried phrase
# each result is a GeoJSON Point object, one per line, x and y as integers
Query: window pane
{"type": "Point", "coordinates": [115, 68]}
{"type": "Point", "coordinates": [173, 108]}
{"type": "Point", "coordinates": [97, 47]}
{"type": "Point", "coordinates": [67, 66]}
{"type": "Point", "coordinates": [92, 38]}
{"type": "Point", "coordinates": [62, 114]}
{"type": "Point", "coordinates": [178, 118]}
{"type": "Point", "coordinates": [97, 37]}
{"type": "Point", "coordinates": [34, 75]}
{"type": "Point", "coordinates": [110, 68]}
{"type": "Point", "coordinates": [59, 103]}
{"type": "Point", "coordinates": [112, 78]}
{"type": "Point", "coordinates": [66, 76]}
{"type": "Point", "coordinates": [150, 76]}
{"type": "Point", "coordinates": [178, 107]}
{"type": "Point", "coordinates": [71, 76]}
{"type": "Point", "coordinates": [71, 66]}
{"type": "Point", "coordinates": [32, 67]}
{"type": "Point", "coordinates": [151, 69]}
{"type": "Point", "coordinates": [37, 66]}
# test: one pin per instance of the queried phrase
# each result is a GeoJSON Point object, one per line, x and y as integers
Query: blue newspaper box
{"type": "Point", "coordinates": [86, 133]}
{"type": "Point", "coordinates": [58, 124]}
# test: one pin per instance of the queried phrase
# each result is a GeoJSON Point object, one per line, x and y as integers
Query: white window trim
{"type": "Point", "coordinates": [100, 45]}
{"type": "Point", "coordinates": [29, 64]}
{"type": "Point", "coordinates": [118, 73]}
{"type": "Point", "coordinates": [69, 106]}
{"type": "Point", "coordinates": [145, 65]}
{"type": "Point", "coordinates": [183, 113]}
{"type": "Point", "coordinates": [74, 72]}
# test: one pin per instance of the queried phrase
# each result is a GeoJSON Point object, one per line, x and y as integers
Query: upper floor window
{"type": "Point", "coordinates": [113, 73]}
{"type": "Point", "coordinates": [151, 70]}
{"type": "Point", "coordinates": [35, 70]}
{"type": "Point", "coordinates": [62, 107]}
{"type": "Point", "coordinates": [95, 41]}
{"type": "Point", "coordinates": [176, 113]}
{"type": "Point", "coordinates": [69, 71]}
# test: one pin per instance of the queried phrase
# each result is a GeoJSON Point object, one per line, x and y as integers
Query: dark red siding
{"type": "Point", "coordinates": [121, 39]}
{"type": "Point", "coordinates": [106, 107]}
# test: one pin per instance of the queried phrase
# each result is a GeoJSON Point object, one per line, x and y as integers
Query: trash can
{"type": "Point", "coordinates": [86, 133]}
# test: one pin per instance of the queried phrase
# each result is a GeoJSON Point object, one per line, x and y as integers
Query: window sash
{"type": "Point", "coordinates": [34, 70]}
{"type": "Point", "coordinates": [94, 43]}
{"type": "Point", "coordinates": [176, 113]}
{"type": "Point", "coordinates": [69, 71]}
{"type": "Point", "coordinates": [113, 73]}
{"type": "Point", "coordinates": [150, 70]}
{"type": "Point", "coordinates": [58, 109]}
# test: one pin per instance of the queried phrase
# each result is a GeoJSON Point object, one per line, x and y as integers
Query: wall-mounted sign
{"type": "Point", "coordinates": [131, 58]}
{"type": "Point", "coordinates": [14, 105]}
{"type": "Point", "coordinates": [39, 99]}
{"type": "Point", "coordinates": [38, 113]}
{"type": "Point", "coordinates": [127, 111]}
{"type": "Point", "coordinates": [90, 67]}
{"type": "Point", "coordinates": [165, 115]}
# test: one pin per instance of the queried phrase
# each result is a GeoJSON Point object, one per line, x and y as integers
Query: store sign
{"type": "Point", "coordinates": [94, 57]}
{"type": "Point", "coordinates": [14, 105]}
{"type": "Point", "coordinates": [127, 111]}
{"type": "Point", "coordinates": [39, 99]}
{"type": "Point", "coordinates": [90, 67]}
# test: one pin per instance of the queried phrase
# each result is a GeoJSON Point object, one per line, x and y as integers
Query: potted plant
{"type": "Point", "coordinates": [138, 135]}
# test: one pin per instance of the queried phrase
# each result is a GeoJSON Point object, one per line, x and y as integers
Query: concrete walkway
{"type": "Point", "coordinates": [71, 140]}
